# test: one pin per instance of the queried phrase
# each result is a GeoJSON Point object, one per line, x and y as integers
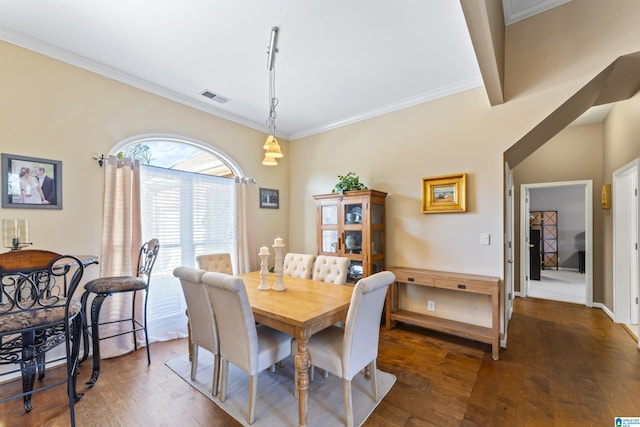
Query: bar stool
{"type": "Point", "coordinates": [104, 287]}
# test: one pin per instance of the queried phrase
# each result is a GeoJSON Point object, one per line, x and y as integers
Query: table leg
{"type": "Point", "coordinates": [303, 362]}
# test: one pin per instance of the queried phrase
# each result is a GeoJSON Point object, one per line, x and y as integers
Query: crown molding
{"type": "Point", "coordinates": [392, 107]}
{"type": "Point", "coordinates": [517, 10]}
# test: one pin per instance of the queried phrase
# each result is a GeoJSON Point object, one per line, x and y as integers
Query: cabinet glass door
{"type": "Point", "coordinates": [377, 242]}
{"type": "Point", "coordinates": [330, 215]}
{"type": "Point", "coordinates": [377, 267]}
{"type": "Point", "coordinates": [330, 241]}
{"type": "Point", "coordinates": [353, 241]}
{"type": "Point", "coordinates": [377, 213]}
{"type": "Point", "coordinates": [355, 272]}
{"type": "Point", "coordinates": [353, 213]}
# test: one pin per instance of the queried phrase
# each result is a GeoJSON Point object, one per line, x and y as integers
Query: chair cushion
{"type": "Point", "coordinates": [18, 320]}
{"type": "Point", "coordinates": [273, 346]}
{"type": "Point", "coordinates": [326, 348]}
{"type": "Point", "coordinates": [108, 285]}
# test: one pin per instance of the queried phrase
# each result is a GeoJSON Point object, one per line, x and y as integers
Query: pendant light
{"type": "Point", "coordinates": [271, 146]}
{"type": "Point", "coordinates": [269, 161]}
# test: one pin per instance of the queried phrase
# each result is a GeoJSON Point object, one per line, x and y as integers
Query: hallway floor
{"type": "Point", "coordinates": [560, 285]}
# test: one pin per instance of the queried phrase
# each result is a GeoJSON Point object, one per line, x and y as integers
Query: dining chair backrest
{"type": "Point", "coordinates": [37, 279]}
{"type": "Point", "coordinates": [201, 318]}
{"type": "Point", "coordinates": [331, 269]}
{"type": "Point", "coordinates": [37, 314]}
{"type": "Point", "coordinates": [147, 258]}
{"type": "Point", "coordinates": [236, 324]}
{"type": "Point", "coordinates": [220, 263]}
{"type": "Point", "coordinates": [362, 327]}
{"type": "Point", "coordinates": [298, 265]}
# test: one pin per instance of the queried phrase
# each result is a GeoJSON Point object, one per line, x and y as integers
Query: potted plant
{"type": "Point", "coordinates": [348, 182]}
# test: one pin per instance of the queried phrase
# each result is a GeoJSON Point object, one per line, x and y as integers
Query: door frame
{"type": "Point", "coordinates": [508, 252]}
{"type": "Point", "coordinates": [625, 211]}
{"type": "Point", "coordinates": [509, 245]}
{"type": "Point", "coordinates": [588, 235]}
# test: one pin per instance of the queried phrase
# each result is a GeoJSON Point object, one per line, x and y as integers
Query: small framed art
{"type": "Point", "coordinates": [269, 198]}
{"type": "Point", "coordinates": [444, 194]}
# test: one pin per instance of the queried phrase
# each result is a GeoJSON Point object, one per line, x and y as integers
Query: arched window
{"type": "Point", "coordinates": [187, 202]}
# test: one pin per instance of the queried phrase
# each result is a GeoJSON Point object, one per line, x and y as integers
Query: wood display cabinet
{"type": "Point", "coordinates": [352, 225]}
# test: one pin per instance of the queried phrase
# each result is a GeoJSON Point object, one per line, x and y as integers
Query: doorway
{"type": "Point", "coordinates": [560, 284]}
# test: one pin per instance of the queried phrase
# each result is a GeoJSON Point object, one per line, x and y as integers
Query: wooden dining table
{"type": "Point", "coordinates": [302, 309]}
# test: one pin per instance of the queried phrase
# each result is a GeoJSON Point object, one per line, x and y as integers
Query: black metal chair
{"type": "Point", "coordinates": [104, 287]}
{"type": "Point", "coordinates": [37, 314]}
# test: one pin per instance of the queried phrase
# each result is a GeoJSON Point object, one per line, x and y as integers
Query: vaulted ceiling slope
{"type": "Point", "coordinates": [617, 82]}
{"type": "Point", "coordinates": [337, 62]}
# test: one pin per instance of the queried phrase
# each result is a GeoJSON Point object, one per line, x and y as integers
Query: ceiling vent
{"type": "Point", "coordinates": [215, 97]}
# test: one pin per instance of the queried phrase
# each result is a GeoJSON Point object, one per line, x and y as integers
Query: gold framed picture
{"type": "Point", "coordinates": [442, 194]}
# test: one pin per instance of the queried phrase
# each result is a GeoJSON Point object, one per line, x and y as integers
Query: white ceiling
{"type": "Point", "coordinates": [338, 61]}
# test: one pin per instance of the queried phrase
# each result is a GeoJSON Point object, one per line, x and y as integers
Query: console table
{"type": "Point", "coordinates": [454, 282]}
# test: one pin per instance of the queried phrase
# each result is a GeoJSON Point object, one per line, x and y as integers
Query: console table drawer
{"type": "Point", "coordinates": [464, 285]}
{"type": "Point", "coordinates": [415, 278]}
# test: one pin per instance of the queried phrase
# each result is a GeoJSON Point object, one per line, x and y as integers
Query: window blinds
{"type": "Point", "coordinates": [191, 214]}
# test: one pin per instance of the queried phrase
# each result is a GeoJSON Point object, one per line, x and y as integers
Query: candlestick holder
{"type": "Point", "coordinates": [279, 267]}
{"type": "Point", "coordinates": [264, 271]}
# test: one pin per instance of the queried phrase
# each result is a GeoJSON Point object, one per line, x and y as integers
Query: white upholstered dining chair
{"type": "Point", "coordinates": [249, 347]}
{"type": "Point", "coordinates": [331, 269]}
{"type": "Point", "coordinates": [298, 265]}
{"type": "Point", "coordinates": [203, 332]}
{"type": "Point", "coordinates": [220, 263]}
{"type": "Point", "coordinates": [346, 352]}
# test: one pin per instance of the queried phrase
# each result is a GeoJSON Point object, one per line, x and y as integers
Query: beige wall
{"type": "Point", "coordinates": [52, 110]}
{"type": "Point", "coordinates": [393, 153]}
{"type": "Point", "coordinates": [575, 154]}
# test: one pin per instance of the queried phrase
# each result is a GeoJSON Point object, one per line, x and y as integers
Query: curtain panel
{"type": "Point", "coordinates": [121, 241]}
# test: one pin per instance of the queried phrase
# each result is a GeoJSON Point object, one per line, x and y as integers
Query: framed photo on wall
{"type": "Point", "coordinates": [444, 194]}
{"type": "Point", "coordinates": [31, 183]}
{"type": "Point", "coordinates": [269, 198]}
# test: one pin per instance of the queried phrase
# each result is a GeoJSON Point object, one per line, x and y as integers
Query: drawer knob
{"type": "Point", "coordinates": [461, 286]}
{"type": "Point", "coordinates": [410, 279]}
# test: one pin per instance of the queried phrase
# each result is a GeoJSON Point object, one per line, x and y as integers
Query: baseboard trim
{"type": "Point", "coordinates": [630, 332]}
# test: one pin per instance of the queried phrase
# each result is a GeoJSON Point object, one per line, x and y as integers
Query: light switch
{"type": "Point", "coordinates": [485, 239]}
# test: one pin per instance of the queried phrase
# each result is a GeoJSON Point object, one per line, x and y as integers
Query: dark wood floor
{"type": "Point", "coordinates": [565, 365]}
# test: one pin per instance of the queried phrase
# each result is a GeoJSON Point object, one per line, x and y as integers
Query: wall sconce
{"type": "Point", "coordinates": [15, 233]}
{"type": "Point", "coordinates": [606, 196]}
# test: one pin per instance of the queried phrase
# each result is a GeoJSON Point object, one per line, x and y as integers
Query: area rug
{"type": "Point", "coordinates": [276, 404]}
